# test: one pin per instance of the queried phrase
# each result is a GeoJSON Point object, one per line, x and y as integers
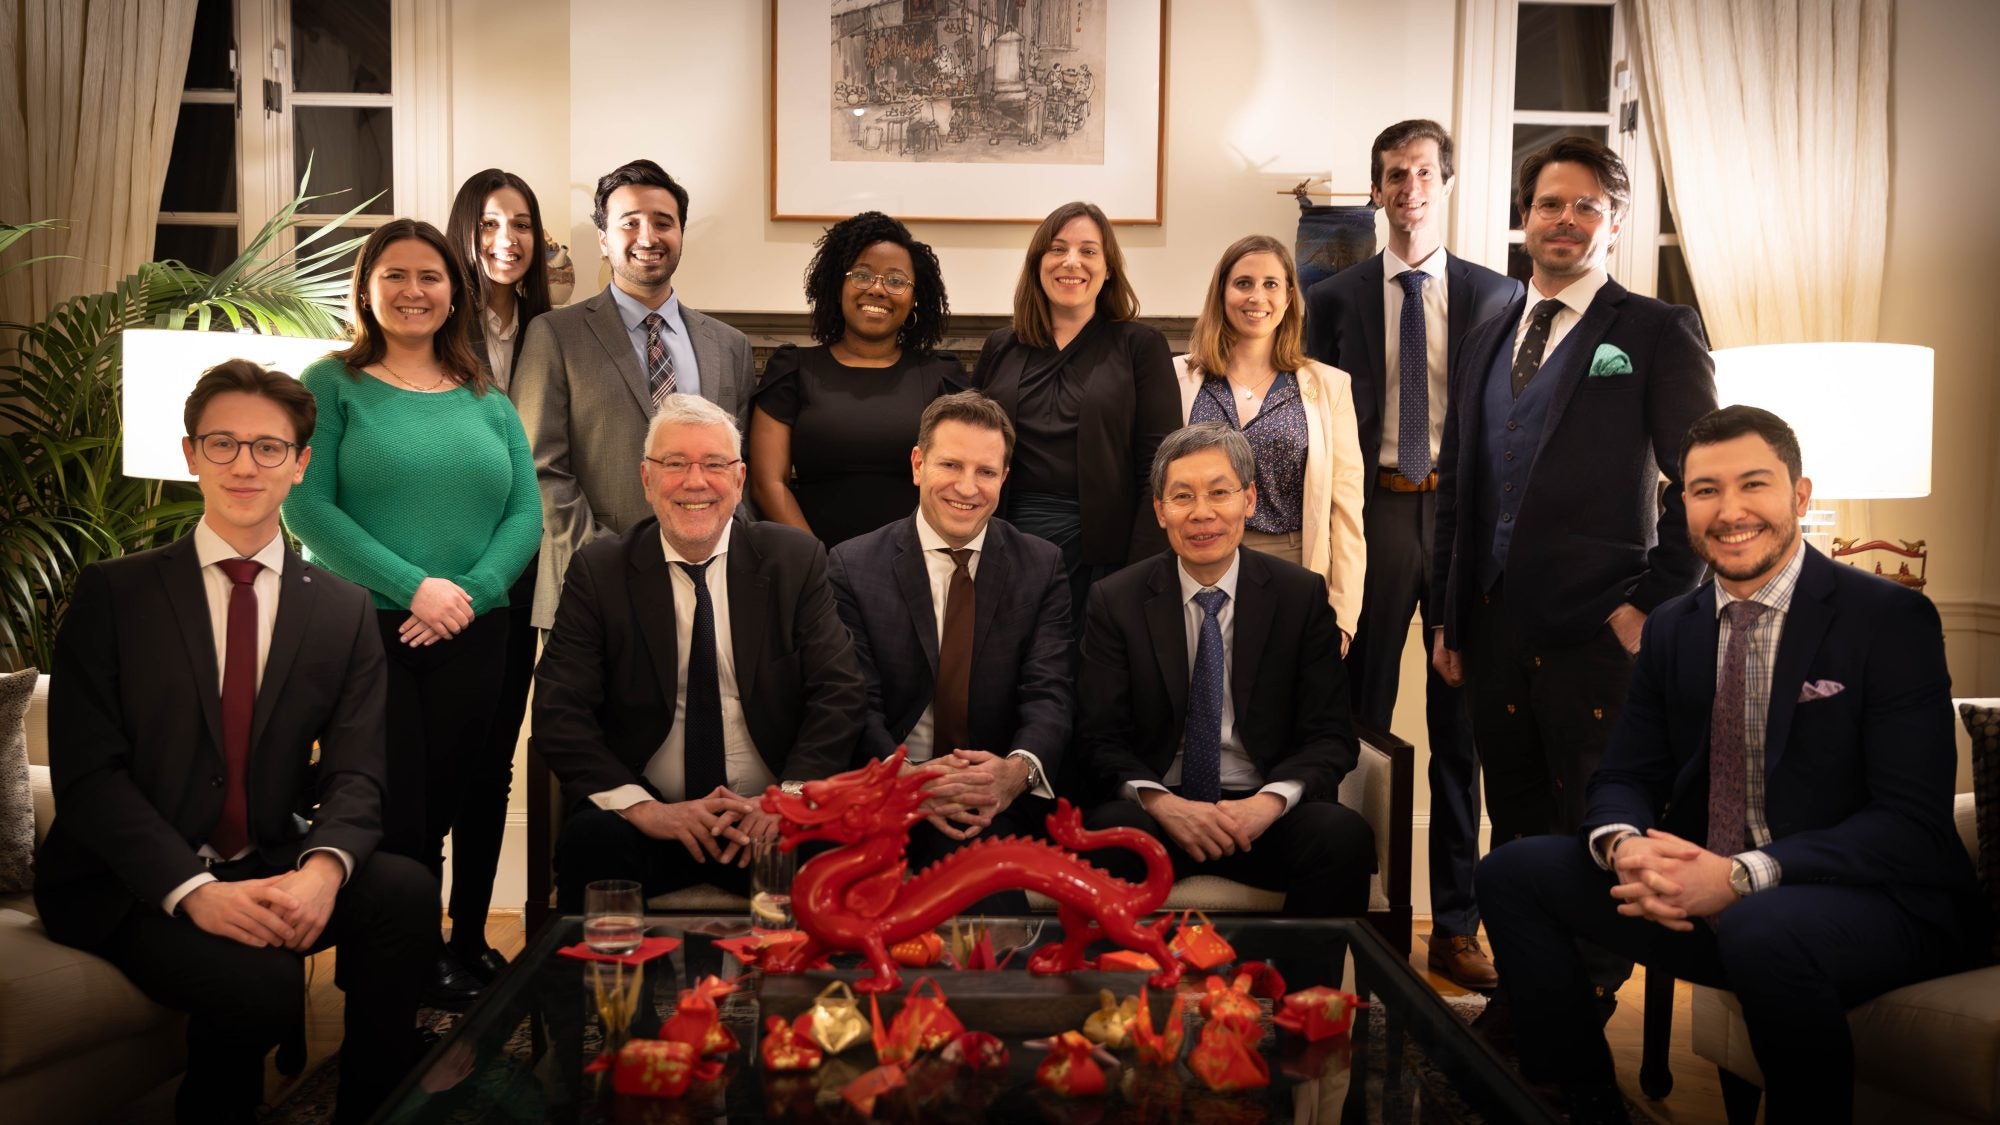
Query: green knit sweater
{"type": "Point", "coordinates": [405, 486]}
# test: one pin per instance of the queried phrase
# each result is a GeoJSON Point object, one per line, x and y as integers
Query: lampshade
{"type": "Point", "coordinates": [161, 367]}
{"type": "Point", "coordinates": [1862, 411]}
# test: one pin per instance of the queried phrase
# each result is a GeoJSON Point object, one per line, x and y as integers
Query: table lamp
{"type": "Point", "coordinates": [161, 366]}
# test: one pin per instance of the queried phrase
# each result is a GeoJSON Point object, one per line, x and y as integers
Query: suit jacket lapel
{"type": "Point", "coordinates": [994, 560]}
{"type": "Point", "coordinates": [1255, 609]}
{"type": "Point", "coordinates": [749, 598]}
{"type": "Point", "coordinates": [297, 597]}
{"type": "Point", "coordinates": [180, 573]}
{"type": "Point", "coordinates": [610, 329]}
{"type": "Point", "coordinates": [1370, 308]}
{"type": "Point", "coordinates": [652, 592]}
{"type": "Point", "coordinates": [1169, 631]}
{"type": "Point", "coordinates": [1577, 348]}
{"type": "Point", "coordinates": [1806, 623]}
{"type": "Point", "coordinates": [1459, 298]}
{"type": "Point", "coordinates": [708, 358]}
{"type": "Point", "coordinates": [907, 564]}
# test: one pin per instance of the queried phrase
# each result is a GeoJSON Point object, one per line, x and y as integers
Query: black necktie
{"type": "Point", "coordinates": [703, 764]}
{"type": "Point", "coordinates": [1413, 382]}
{"type": "Point", "coordinates": [1529, 359]}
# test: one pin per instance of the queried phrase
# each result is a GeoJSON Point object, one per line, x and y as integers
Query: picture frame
{"type": "Point", "coordinates": [993, 111]}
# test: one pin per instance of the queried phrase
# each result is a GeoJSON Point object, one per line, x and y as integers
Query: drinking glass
{"type": "Point", "coordinates": [613, 916]}
{"type": "Point", "coordinates": [771, 870]}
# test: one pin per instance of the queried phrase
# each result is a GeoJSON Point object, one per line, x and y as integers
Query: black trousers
{"type": "Point", "coordinates": [1797, 957]}
{"type": "Point", "coordinates": [241, 1001]}
{"type": "Point", "coordinates": [441, 702]}
{"type": "Point", "coordinates": [596, 844]}
{"type": "Point", "coordinates": [1399, 536]}
{"type": "Point", "coordinates": [487, 773]}
{"type": "Point", "coordinates": [1320, 854]}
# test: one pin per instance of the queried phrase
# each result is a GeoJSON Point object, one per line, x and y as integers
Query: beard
{"type": "Point", "coordinates": [1765, 563]}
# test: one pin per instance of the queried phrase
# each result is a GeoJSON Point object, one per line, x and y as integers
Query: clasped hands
{"type": "Point", "coordinates": [972, 788]}
{"type": "Point", "coordinates": [286, 911]}
{"type": "Point", "coordinates": [439, 611]}
{"type": "Point", "coordinates": [718, 828]}
{"type": "Point", "coordinates": [1663, 878]}
{"type": "Point", "coordinates": [1210, 830]}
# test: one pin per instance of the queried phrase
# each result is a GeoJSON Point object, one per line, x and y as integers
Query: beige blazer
{"type": "Point", "coordinates": [1331, 526]}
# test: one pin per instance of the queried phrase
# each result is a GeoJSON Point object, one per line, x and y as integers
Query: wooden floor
{"type": "Point", "coordinates": [1696, 1098]}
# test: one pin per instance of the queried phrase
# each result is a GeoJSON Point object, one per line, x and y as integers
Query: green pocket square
{"type": "Point", "coordinates": [1610, 360]}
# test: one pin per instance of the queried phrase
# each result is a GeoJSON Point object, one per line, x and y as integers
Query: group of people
{"type": "Point", "coordinates": [1163, 587]}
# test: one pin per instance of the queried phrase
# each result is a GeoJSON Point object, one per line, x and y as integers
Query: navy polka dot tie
{"type": "Point", "coordinates": [1201, 746]}
{"type": "Point", "coordinates": [1413, 381]}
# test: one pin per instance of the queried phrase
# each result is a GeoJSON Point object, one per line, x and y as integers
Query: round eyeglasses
{"type": "Point", "coordinates": [894, 283]}
{"type": "Point", "coordinates": [222, 449]}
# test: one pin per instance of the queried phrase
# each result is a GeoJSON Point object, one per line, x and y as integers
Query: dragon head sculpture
{"type": "Point", "coordinates": [877, 799]}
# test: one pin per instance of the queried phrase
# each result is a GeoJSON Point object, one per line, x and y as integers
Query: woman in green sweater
{"type": "Point", "coordinates": [422, 490]}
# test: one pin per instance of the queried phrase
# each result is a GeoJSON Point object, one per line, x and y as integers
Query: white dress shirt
{"type": "Point", "coordinates": [674, 333]}
{"type": "Point", "coordinates": [1238, 771]}
{"type": "Point", "coordinates": [500, 345]}
{"type": "Point", "coordinates": [210, 549]}
{"type": "Point", "coordinates": [938, 568]}
{"type": "Point", "coordinates": [667, 769]}
{"type": "Point", "coordinates": [1437, 336]}
{"type": "Point", "coordinates": [1576, 297]}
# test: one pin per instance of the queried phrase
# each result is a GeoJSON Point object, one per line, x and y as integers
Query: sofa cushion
{"type": "Point", "coordinates": [17, 803]}
{"type": "Point", "coordinates": [59, 1000]}
{"type": "Point", "coordinates": [1982, 723]}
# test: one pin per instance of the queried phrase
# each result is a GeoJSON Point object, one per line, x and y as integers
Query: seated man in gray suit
{"type": "Point", "coordinates": [590, 374]}
{"type": "Point", "coordinates": [962, 626]}
{"type": "Point", "coordinates": [695, 661]}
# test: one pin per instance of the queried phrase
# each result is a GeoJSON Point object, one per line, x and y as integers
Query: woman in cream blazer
{"type": "Point", "coordinates": [1246, 367]}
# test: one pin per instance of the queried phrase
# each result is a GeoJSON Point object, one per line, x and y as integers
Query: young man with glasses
{"type": "Point", "coordinates": [1214, 707]}
{"type": "Point", "coordinates": [192, 685]}
{"type": "Point", "coordinates": [695, 661]}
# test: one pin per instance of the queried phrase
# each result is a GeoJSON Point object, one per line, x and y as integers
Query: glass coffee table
{"type": "Point", "coordinates": [520, 1053]}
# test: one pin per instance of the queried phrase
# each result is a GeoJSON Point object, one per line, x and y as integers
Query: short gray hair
{"type": "Point", "coordinates": [1190, 440]}
{"type": "Point", "coordinates": [691, 410]}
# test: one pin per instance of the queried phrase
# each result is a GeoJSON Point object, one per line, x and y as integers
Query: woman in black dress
{"type": "Point", "coordinates": [1092, 394]}
{"type": "Point", "coordinates": [833, 425]}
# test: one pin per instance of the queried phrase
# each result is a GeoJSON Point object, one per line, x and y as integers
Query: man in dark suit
{"type": "Point", "coordinates": [962, 626]}
{"type": "Point", "coordinates": [1400, 379]}
{"type": "Point", "coordinates": [673, 691]}
{"type": "Point", "coordinates": [1552, 545]}
{"type": "Point", "coordinates": [1774, 814]}
{"type": "Point", "coordinates": [1214, 707]}
{"type": "Point", "coordinates": [590, 374]}
{"type": "Point", "coordinates": [191, 684]}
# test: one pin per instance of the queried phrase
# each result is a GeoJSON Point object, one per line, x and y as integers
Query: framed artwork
{"type": "Point", "coordinates": [966, 110]}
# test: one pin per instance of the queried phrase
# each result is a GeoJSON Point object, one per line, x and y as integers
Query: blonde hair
{"type": "Point", "coordinates": [1213, 339]}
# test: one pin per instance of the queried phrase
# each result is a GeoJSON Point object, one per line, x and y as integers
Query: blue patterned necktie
{"type": "Point", "coordinates": [1726, 751]}
{"type": "Point", "coordinates": [703, 765]}
{"type": "Point", "coordinates": [659, 361]}
{"type": "Point", "coordinates": [1413, 379]}
{"type": "Point", "coordinates": [1201, 746]}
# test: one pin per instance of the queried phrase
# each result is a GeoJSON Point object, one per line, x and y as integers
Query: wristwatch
{"type": "Point", "coordinates": [1034, 771]}
{"type": "Point", "coordinates": [792, 788]}
{"type": "Point", "coordinates": [1739, 878]}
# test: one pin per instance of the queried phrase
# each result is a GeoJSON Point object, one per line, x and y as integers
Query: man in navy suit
{"type": "Point", "coordinates": [1430, 298]}
{"type": "Point", "coordinates": [1552, 545]}
{"type": "Point", "coordinates": [1774, 814]}
{"type": "Point", "coordinates": [962, 626]}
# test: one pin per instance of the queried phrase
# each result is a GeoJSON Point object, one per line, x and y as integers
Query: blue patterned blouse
{"type": "Point", "coordinates": [1277, 439]}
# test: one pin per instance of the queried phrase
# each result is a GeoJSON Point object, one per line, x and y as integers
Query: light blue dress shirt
{"type": "Point", "coordinates": [687, 374]}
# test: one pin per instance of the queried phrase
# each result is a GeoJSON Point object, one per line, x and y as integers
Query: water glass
{"type": "Point", "coordinates": [771, 870]}
{"type": "Point", "coordinates": [613, 916]}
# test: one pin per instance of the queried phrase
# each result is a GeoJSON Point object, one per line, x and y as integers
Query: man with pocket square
{"type": "Point", "coordinates": [1774, 813]}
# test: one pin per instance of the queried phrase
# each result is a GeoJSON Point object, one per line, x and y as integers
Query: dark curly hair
{"type": "Point", "coordinates": [837, 249]}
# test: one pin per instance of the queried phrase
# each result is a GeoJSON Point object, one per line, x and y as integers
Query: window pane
{"type": "Point", "coordinates": [1528, 138]}
{"type": "Point", "coordinates": [350, 147]}
{"type": "Point", "coordinates": [347, 231]}
{"type": "Point", "coordinates": [207, 249]}
{"type": "Point", "coordinates": [208, 62]}
{"type": "Point", "coordinates": [1676, 286]}
{"type": "Point", "coordinates": [201, 174]}
{"type": "Point", "coordinates": [340, 46]}
{"type": "Point", "coordinates": [1562, 58]}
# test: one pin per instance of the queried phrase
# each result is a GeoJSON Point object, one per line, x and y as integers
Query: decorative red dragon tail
{"type": "Point", "coordinates": [1066, 828]}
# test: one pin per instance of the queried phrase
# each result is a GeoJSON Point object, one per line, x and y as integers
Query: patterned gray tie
{"type": "Point", "coordinates": [1726, 752]}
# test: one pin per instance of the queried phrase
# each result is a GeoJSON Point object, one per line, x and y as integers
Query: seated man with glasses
{"type": "Point", "coordinates": [1214, 706]}
{"type": "Point", "coordinates": [193, 684]}
{"type": "Point", "coordinates": [695, 661]}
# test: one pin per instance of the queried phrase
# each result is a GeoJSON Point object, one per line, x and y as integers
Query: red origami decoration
{"type": "Point", "coordinates": [1318, 1012]}
{"type": "Point", "coordinates": [1226, 1056]}
{"type": "Point", "coordinates": [660, 1068]}
{"type": "Point", "coordinates": [1199, 945]}
{"type": "Point", "coordinates": [1071, 1070]}
{"type": "Point", "coordinates": [1162, 1048]}
{"type": "Point", "coordinates": [862, 1092]}
{"type": "Point", "coordinates": [1238, 997]}
{"type": "Point", "coordinates": [924, 1024]}
{"type": "Point", "coordinates": [920, 952]}
{"type": "Point", "coordinates": [856, 896]}
{"type": "Point", "coordinates": [978, 1051]}
{"type": "Point", "coordinates": [785, 1049]}
{"type": "Point", "coordinates": [696, 1021]}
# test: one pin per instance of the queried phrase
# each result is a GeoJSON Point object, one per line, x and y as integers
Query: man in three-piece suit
{"type": "Point", "coordinates": [1430, 298]}
{"type": "Point", "coordinates": [1774, 813]}
{"type": "Point", "coordinates": [590, 374]}
{"type": "Point", "coordinates": [962, 627]}
{"type": "Point", "coordinates": [695, 661]}
{"type": "Point", "coordinates": [191, 685]}
{"type": "Point", "coordinates": [1552, 545]}
{"type": "Point", "coordinates": [1214, 706]}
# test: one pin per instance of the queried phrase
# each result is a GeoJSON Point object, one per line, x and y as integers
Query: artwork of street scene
{"type": "Point", "coordinates": [969, 81]}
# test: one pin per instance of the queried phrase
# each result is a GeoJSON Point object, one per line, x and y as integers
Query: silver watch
{"type": "Point", "coordinates": [1739, 878]}
{"type": "Point", "coordinates": [792, 788]}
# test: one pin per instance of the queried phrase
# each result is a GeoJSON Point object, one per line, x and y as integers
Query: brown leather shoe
{"type": "Point", "coordinates": [1458, 958]}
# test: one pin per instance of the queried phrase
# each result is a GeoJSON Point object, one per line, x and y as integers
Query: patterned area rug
{"type": "Point", "coordinates": [310, 1100]}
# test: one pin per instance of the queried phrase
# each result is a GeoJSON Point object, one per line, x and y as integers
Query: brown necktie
{"type": "Point", "coordinates": [954, 669]}
{"type": "Point", "coordinates": [1725, 734]}
{"type": "Point", "coordinates": [1529, 359]}
{"type": "Point", "coordinates": [239, 705]}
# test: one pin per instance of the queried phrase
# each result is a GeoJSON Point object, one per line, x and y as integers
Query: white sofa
{"type": "Point", "coordinates": [77, 1040]}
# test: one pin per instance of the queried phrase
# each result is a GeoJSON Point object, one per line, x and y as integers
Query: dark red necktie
{"type": "Point", "coordinates": [239, 703]}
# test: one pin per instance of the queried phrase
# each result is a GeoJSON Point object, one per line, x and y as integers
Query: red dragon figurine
{"type": "Point", "coordinates": [856, 897]}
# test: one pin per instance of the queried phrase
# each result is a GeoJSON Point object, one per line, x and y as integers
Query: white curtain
{"type": "Point", "coordinates": [1772, 122]}
{"type": "Point", "coordinates": [88, 104]}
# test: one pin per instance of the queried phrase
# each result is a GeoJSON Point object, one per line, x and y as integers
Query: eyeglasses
{"type": "Point", "coordinates": [679, 466]}
{"type": "Point", "coordinates": [221, 449]}
{"type": "Point", "coordinates": [894, 283]}
{"type": "Point", "coordinates": [1587, 211]}
{"type": "Point", "coordinates": [1185, 501]}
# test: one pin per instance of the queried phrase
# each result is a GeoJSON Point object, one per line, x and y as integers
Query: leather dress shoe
{"type": "Point", "coordinates": [449, 987]}
{"type": "Point", "coordinates": [1458, 958]}
{"type": "Point", "coordinates": [487, 965]}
